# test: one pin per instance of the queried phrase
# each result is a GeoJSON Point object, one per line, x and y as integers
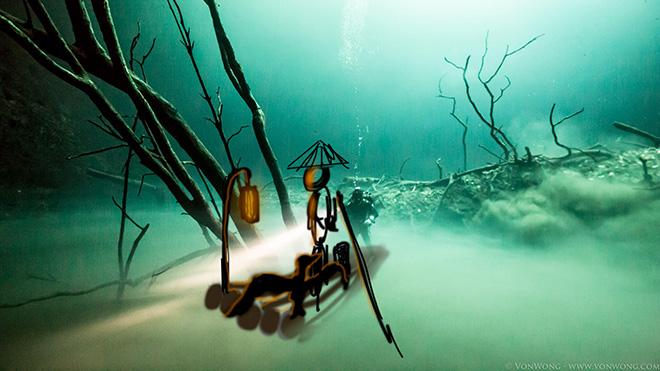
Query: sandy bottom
{"type": "Point", "coordinates": [454, 300]}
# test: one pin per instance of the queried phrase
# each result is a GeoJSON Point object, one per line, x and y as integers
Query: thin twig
{"type": "Point", "coordinates": [144, 57]}
{"type": "Point", "coordinates": [134, 247]}
{"type": "Point", "coordinates": [236, 133]}
{"type": "Point", "coordinates": [402, 165]}
{"type": "Point", "coordinates": [454, 64]}
{"type": "Point", "coordinates": [491, 152]}
{"type": "Point", "coordinates": [437, 163]}
{"type": "Point", "coordinates": [554, 125]}
{"type": "Point", "coordinates": [106, 129]}
{"type": "Point", "coordinates": [127, 216]}
{"type": "Point", "coordinates": [142, 182]}
{"type": "Point", "coordinates": [208, 190]}
{"type": "Point", "coordinates": [285, 179]}
{"type": "Point", "coordinates": [508, 54]}
{"type": "Point", "coordinates": [128, 282]}
{"type": "Point", "coordinates": [207, 236]}
{"type": "Point", "coordinates": [50, 278]}
{"type": "Point", "coordinates": [184, 32]}
{"type": "Point", "coordinates": [97, 151]}
{"type": "Point", "coordinates": [496, 133]}
{"type": "Point", "coordinates": [464, 124]}
{"type": "Point", "coordinates": [61, 294]}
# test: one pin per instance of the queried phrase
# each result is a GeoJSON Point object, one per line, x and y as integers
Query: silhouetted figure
{"type": "Point", "coordinates": [362, 214]}
{"type": "Point", "coordinates": [296, 284]}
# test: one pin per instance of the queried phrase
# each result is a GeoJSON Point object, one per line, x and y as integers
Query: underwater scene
{"type": "Point", "coordinates": [340, 185]}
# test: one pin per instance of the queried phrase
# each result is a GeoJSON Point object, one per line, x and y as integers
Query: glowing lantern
{"type": "Point", "coordinates": [248, 201]}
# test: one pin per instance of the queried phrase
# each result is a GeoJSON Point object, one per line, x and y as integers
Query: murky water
{"type": "Point", "coordinates": [454, 300]}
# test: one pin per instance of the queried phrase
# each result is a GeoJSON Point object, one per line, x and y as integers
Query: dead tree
{"type": "Point", "coordinates": [86, 57]}
{"type": "Point", "coordinates": [641, 133]}
{"type": "Point", "coordinates": [464, 124]}
{"type": "Point", "coordinates": [554, 125]}
{"type": "Point", "coordinates": [235, 72]}
{"type": "Point", "coordinates": [488, 116]}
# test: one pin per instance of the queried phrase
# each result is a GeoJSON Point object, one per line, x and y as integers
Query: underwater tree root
{"type": "Point", "coordinates": [129, 282]}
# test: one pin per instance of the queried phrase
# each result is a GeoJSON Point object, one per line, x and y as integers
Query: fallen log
{"type": "Point", "coordinates": [159, 192]}
{"type": "Point", "coordinates": [641, 133]}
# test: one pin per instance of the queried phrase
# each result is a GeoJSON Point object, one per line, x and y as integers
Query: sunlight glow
{"type": "Point", "coordinates": [130, 318]}
{"type": "Point", "coordinates": [276, 253]}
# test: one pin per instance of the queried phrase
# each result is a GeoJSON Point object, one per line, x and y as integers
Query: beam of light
{"type": "Point", "coordinates": [283, 242]}
{"type": "Point", "coordinates": [276, 253]}
{"type": "Point", "coordinates": [136, 317]}
{"type": "Point", "coordinates": [123, 321]}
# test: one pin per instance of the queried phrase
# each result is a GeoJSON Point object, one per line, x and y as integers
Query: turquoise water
{"type": "Point", "coordinates": [557, 276]}
{"type": "Point", "coordinates": [454, 299]}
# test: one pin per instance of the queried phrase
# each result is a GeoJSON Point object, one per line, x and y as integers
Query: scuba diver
{"type": "Point", "coordinates": [362, 214]}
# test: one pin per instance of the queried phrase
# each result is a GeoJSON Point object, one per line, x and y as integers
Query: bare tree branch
{"type": "Point", "coordinates": [235, 73]}
{"type": "Point", "coordinates": [402, 165]}
{"type": "Point", "coordinates": [125, 214]}
{"type": "Point", "coordinates": [496, 132]}
{"type": "Point", "coordinates": [216, 117]}
{"type": "Point", "coordinates": [554, 125]}
{"type": "Point", "coordinates": [491, 152]}
{"type": "Point", "coordinates": [236, 133]}
{"type": "Point", "coordinates": [106, 129]}
{"type": "Point", "coordinates": [97, 151]}
{"type": "Point", "coordinates": [461, 122]}
{"type": "Point", "coordinates": [641, 133]}
{"type": "Point", "coordinates": [129, 282]}
{"type": "Point", "coordinates": [38, 42]}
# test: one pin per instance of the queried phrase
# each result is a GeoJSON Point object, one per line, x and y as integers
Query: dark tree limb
{"type": "Point", "coordinates": [50, 278]}
{"type": "Point", "coordinates": [493, 129]}
{"type": "Point", "coordinates": [529, 155]}
{"type": "Point", "coordinates": [437, 163]}
{"type": "Point", "coordinates": [235, 73]}
{"type": "Point", "coordinates": [553, 126]}
{"type": "Point", "coordinates": [129, 282]}
{"type": "Point", "coordinates": [196, 206]}
{"type": "Point", "coordinates": [82, 27]}
{"type": "Point", "coordinates": [506, 55]}
{"type": "Point", "coordinates": [641, 133]}
{"type": "Point", "coordinates": [647, 177]}
{"type": "Point", "coordinates": [122, 224]}
{"type": "Point", "coordinates": [60, 294]}
{"type": "Point", "coordinates": [499, 158]}
{"type": "Point", "coordinates": [206, 185]}
{"type": "Point", "coordinates": [105, 128]}
{"type": "Point", "coordinates": [125, 214]}
{"type": "Point", "coordinates": [132, 59]}
{"type": "Point", "coordinates": [402, 165]}
{"type": "Point", "coordinates": [496, 131]}
{"type": "Point", "coordinates": [142, 183]}
{"type": "Point", "coordinates": [236, 133]}
{"type": "Point", "coordinates": [97, 151]}
{"type": "Point", "coordinates": [95, 61]}
{"type": "Point", "coordinates": [464, 124]}
{"type": "Point", "coordinates": [292, 177]}
{"type": "Point", "coordinates": [216, 115]}
{"type": "Point", "coordinates": [501, 139]}
{"type": "Point", "coordinates": [129, 260]}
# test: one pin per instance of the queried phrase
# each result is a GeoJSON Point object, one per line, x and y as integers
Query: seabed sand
{"type": "Point", "coordinates": [454, 300]}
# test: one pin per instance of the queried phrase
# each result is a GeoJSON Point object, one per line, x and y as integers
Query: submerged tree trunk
{"type": "Point", "coordinates": [89, 55]}
{"type": "Point", "coordinates": [235, 73]}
